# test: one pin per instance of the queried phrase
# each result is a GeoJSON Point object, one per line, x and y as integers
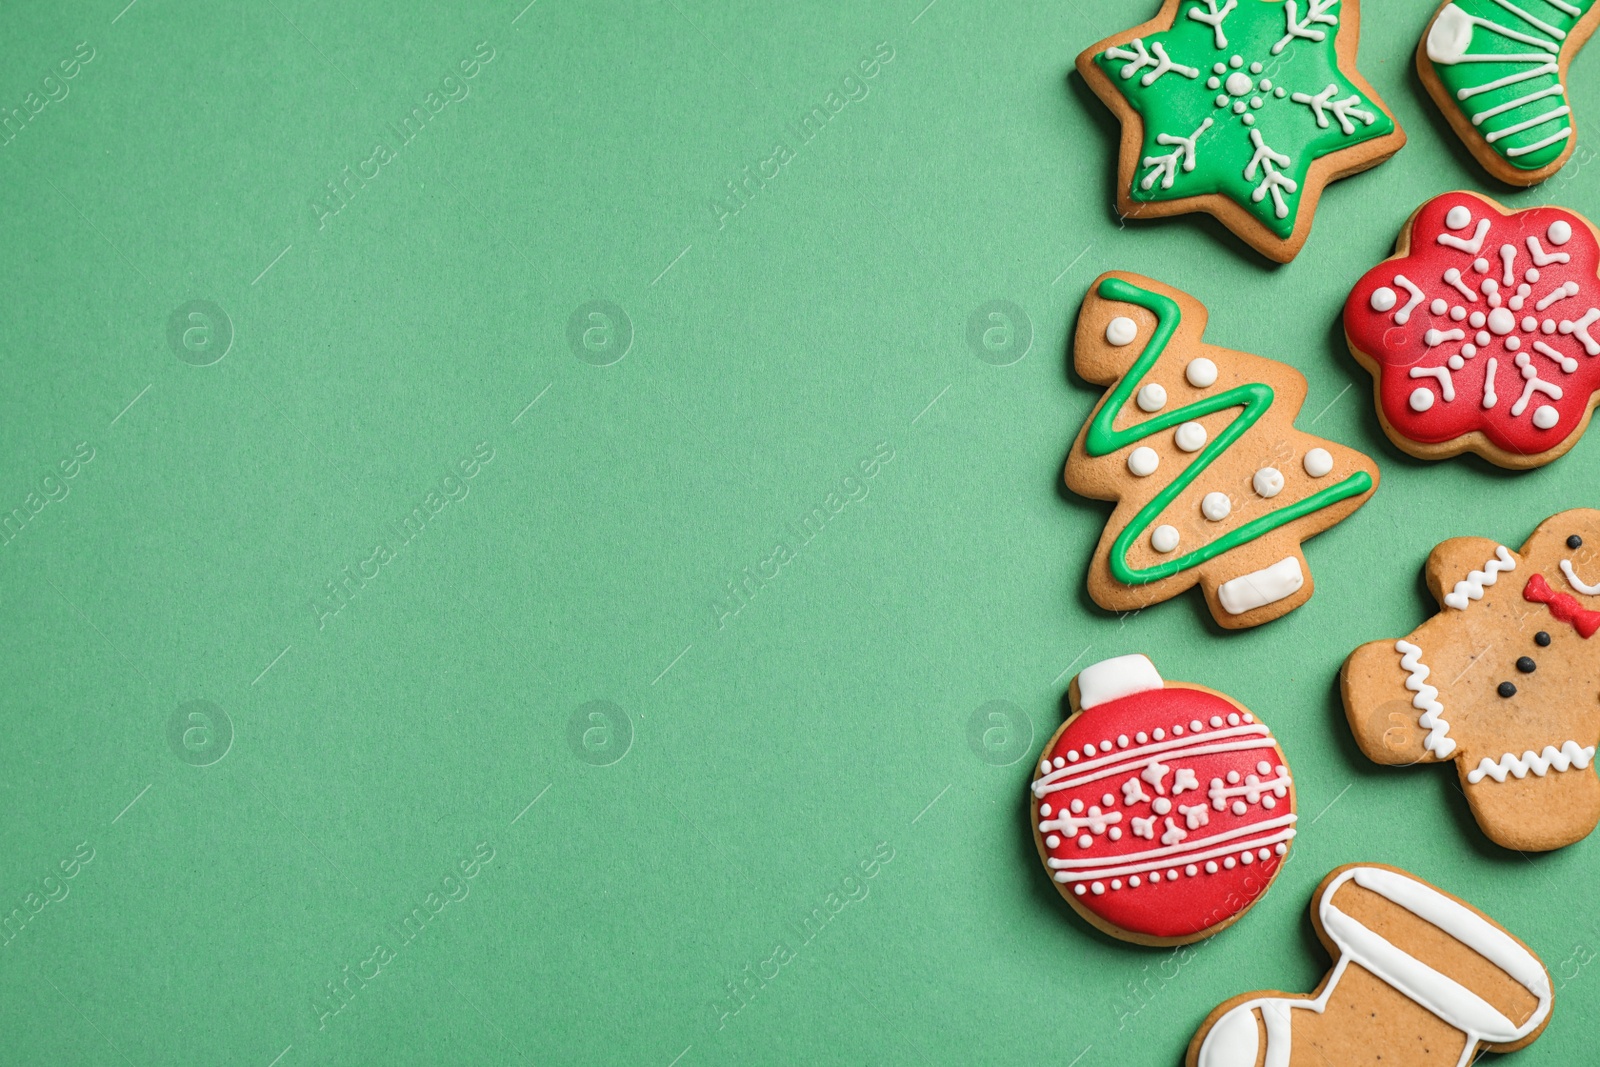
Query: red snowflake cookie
{"type": "Point", "coordinates": [1162, 810]}
{"type": "Point", "coordinates": [1482, 331]}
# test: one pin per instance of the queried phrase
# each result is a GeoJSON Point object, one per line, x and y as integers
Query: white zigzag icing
{"type": "Point", "coordinates": [1426, 700]}
{"type": "Point", "coordinates": [1471, 587]}
{"type": "Point", "coordinates": [1570, 755]}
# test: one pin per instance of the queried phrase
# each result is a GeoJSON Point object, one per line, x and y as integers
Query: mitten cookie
{"type": "Point", "coordinates": [1419, 977]}
{"type": "Point", "coordinates": [1498, 71]}
{"type": "Point", "coordinates": [1162, 810]}
{"type": "Point", "coordinates": [1481, 331]}
{"type": "Point", "coordinates": [1241, 109]}
{"type": "Point", "coordinates": [1505, 681]}
{"type": "Point", "coordinates": [1214, 485]}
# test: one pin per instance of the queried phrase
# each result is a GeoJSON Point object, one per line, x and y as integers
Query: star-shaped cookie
{"type": "Point", "coordinates": [1243, 109]}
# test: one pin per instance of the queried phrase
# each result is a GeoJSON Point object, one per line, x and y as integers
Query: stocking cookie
{"type": "Point", "coordinates": [1162, 810]}
{"type": "Point", "coordinates": [1241, 109]}
{"type": "Point", "coordinates": [1505, 681]}
{"type": "Point", "coordinates": [1419, 978]}
{"type": "Point", "coordinates": [1196, 444]}
{"type": "Point", "coordinates": [1481, 332]}
{"type": "Point", "coordinates": [1498, 72]}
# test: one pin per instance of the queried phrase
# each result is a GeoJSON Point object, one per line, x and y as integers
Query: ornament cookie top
{"type": "Point", "coordinates": [1434, 981]}
{"type": "Point", "coordinates": [1162, 810]}
{"type": "Point", "coordinates": [1241, 108]}
{"type": "Point", "coordinates": [1196, 444]}
{"type": "Point", "coordinates": [1498, 71]}
{"type": "Point", "coordinates": [1481, 332]}
{"type": "Point", "coordinates": [1505, 681]}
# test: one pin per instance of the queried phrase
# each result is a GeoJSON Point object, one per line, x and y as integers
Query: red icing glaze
{"type": "Point", "coordinates": [1397, 348]}
{"type": "Point", "coordinates": [1162, 905]}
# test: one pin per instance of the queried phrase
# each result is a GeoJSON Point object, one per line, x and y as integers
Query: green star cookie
{"type": "Point", "coordinates": [1241, 108]}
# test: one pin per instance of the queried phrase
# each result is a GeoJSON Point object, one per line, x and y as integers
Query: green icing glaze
{"type": "Point", "coordinates": [1103, 438]}
{"type": "Point", "coordinates": [1194, 146]}
{"type": "Point", "coordinates": [1514, 97]}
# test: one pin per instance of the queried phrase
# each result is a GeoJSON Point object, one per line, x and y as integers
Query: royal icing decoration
{"type": "Point", "coordinates": [1504, 680]}
{"type": "Point", "coordinates": [1496, 336]}
{"type": "Point", "coordinates": [1239, 99]}
{"type": "Point", "coordinates": [1495, 68]}
{"type": "Point", "coordinates": [1401, 941]}
{"type": "Point", "coordinates": [1200, 786]}
{"type": "Point", "coordinates": [1188, 505]}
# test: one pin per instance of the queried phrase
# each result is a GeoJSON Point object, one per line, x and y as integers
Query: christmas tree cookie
{"type": "Point", "coordinates": [1241, 108]}
{"type": "Point", "coordinates": [1498, 71]}
{"type": "Point", "coordinates": [1213, 484]}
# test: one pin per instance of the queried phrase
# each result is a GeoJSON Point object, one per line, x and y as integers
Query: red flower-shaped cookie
{"type": "Point", "coordinates": [1482, 332]}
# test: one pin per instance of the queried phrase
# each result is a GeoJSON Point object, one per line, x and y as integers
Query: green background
{"type": "Point", "coordinates": [749, 765]}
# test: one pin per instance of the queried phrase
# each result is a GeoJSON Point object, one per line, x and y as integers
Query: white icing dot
{"type": "Point", "coordinates": [1256, 101]}
{"type": "Point", "coordinates": [1221, 100]}
{"type": "Point", "coordinates": [1153, 397]}
{"type": "Point", "coordinates": [1247, 858]}
{"type": "Point", "coordinates": [1218, 68]}
{"type": "Point", "coordinates": [1239, 807]}
{"type": "Point", "coordinates": [1529, 323]}
{"type": "Point", "coordinates": [1280, 92]}
{"type": "Point", "coordinates": [1191, 870]}
{"type": "Point", "coordinates": [1319, 463]}
{"type": "Point", "coordinates": [1077, 807]}
{"type": "Point", "coordinates": [1438, 307]}
{"type": "Point", "coordinates": [1263, 767]}
{"type": "Point", "coordinates": [1239, 106]}
{"type": "Point", "coordinates": [1133, 881]}
{"type": "Point", "coordinates": [1116, 883]}
{"type": "Point", "coordinates": [1121, 331]}
{"type": "Point", "coordinates": [1216, 506]}
{"type": "Point", "coordinates": [1122, 742]}
{"type": "Point", "coordinates": [1269, 802]}
{"type": "Point", "coordinates": [1236, 62]}
{"type": "Point", "coordinates": [1502, 321]}
{"type": "Point", "coordinates": [1143, 461]}
{"type": "Point", "coordinates": [1233, 776]}
{"type": "Point", "coordinates": [1084, 840]}
{"type": "Point", "coordinates": [1469, 350]}
{"type": "Point", "coordinates": [1202, 373]}
{"type": "Point", "coordinates": [1053, 841]}
{"type": "Point", "coordinates": [1513, 343]}
{"type": "Point", "coordinates": [1216, 721]}
{"type": "Point", "coordinates": [1457, 217]}
{"type": "Point", "coordinates": [1421, 399]}
{"type": "Point", "coordinates": [1256, 68]}
{"type": "Point", "coordinates": [1057, 762]}
{"type": "Point", "coordinates": [1177, 731]}
{"type": "Point", "coordinates": [1233, 718]}
{"type": "Point", "coordinates": [1072, 756]}
{"type": "Point", "coordinates": [1108, 800]}
{"type": "Point", "coordinates": [1044, 768]}
{"type": "Point", "coordinates": [1238, 83]}
{"type": "Point", "coordinates": [1249, 120]}
{"type": "Point", "coordinates": [1477, 321]}
{"type": "Point", "coordinates": [1211, 866]}
{"type": "Point", "coordinates": [1088, 750]}
{"type": "Point", "coordinates": [1161, 805]}
{"type": "Point", "coordinates": [1115, 833]}
{"type": "Point", "coordinates": [1546, 417]}
{"type": "Point", "coordinates": [1280, 848]}
{"type": "Point", "coordinates": [1079, 889]}
{"type": "Point", "coordinates": [1559, 232]}
{"type": "Point", "coordinates": [1266, 83]}
{"type": "Point", "coordinates": [1141, 737]}
{"type": "Point", "coordinates": [1159, 733]}
{"type": "Point", "coordinates": [1383, 298]}
{"type": "Point", "coordinates": [1191, 437]}
{"type": "Point", "coordinates": [1230, 863]}
{"type": "Point", "coordinates": [1195, 725]}
{"type": "Point", "coordinates": [1249, 717]}
{"type": "Point", "coordinates": [1045, 810]}
{"type": "Point", "coordinates": [1483, 338]}
{"type": "Point", "coordinates": [1458, 313]}
{"type": "Point", "coordinates": [1098, 888]}
{"type": "Point", "coordinates": [1213, 83]}
{"type": "Point", "coordinates": [1481, 265]}
{"type": "Point", "coordinates": [1548, 326]}
{"type": "Point", "coordinates": [1456, 362]}
{"type": "Point", "coordinates": [1268, 482]}
{"type": "Point", "coordinates": [1263, 854]}
{"type": "Point", "coordinates": [1532, 274]}
{"type": "Point", "coordinates": [1164, 538]}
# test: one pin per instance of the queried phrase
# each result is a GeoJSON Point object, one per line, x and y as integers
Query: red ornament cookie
{"type": "Point", "coordinates": [1481, 332]}
{"type": "Point", "coordinates": [1162, 810]}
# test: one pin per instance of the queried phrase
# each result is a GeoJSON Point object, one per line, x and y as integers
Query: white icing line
{"type": "Point", "coordinates": [1471, 587]}
{"type": "Point", "coordinates": [1580, 329]}
{"type": "Point", "coordinates": [1559, 135]}
{"type": "Point", "coordinates": [1509, 79]}
{"type": "Point", "coordinates": [1230, 849]}
{"type": "Point", "coordinates": [1172, 850]}
{"type": "Point", "coordinates": [1537, 120]}
{"type": "Point", "coordinates": [1477, 120]}
{"type": "Point", "coordinates": [1568, 364]}
{"type": "Point", "coordinates": [1259, 588]}
{"type": "Point", "coordinates": [1573, 580]}
{"type": "Point", "coordinates": [1542, 26]}
{"type": "Point", "coordinates": [1405, 283]}
{"type": "Point", "coordinates": [1426, 700]}
{"type": "Point", "coordinates": [1447, 385]}
{"type": "Point", "coordinates": [1490, 399]}
{"type": "Point", "coordinates": [1470, 247]}
{"type": "Point", "coordinates": [1045, 787]}
{"type": "Point", "coordinates": [1569, 755]}
{"type": "Point", "coordinates": [1541, 258]}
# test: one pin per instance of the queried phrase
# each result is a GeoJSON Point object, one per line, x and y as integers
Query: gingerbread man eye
{"type": "Point", "coordinates": [1526, 665]}
{"type": "Point", "coordinates": [1541, 639]}
{"type": "Point", "coordinates": [1574, 541]}
{"type": "Point", "coordinates": [1506, 689]}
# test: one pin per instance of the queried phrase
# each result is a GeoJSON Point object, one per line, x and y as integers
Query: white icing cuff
{"type": "Point", "coordinates": [1260, 588]}
{"type": "Point", "coordinates": [1113, 679]}
{"type": "Point", "coordinates": [1450, 35]}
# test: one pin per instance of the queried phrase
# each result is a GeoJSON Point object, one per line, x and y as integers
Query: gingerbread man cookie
{"type": "Point", "coordinates": [1498, 72]}
{"type": "Point", "coordinates": [1243, 109]}
{"type": "Point", "coordinates": [1419, 978]}
{"type": "Point", "coordinates": [1196, 444]}
{"type": "Point", "coordinates": [1481, 332]}
{"type": "Point", "coordinates": [1162, 810]}
{"type": "Point", "coordinates": [1505, 681]}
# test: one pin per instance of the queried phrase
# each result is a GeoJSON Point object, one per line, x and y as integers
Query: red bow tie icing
{"type": "Point", "coordinates": [1562, 606]}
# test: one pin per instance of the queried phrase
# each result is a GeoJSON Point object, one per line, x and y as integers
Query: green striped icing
{"type": "Point", "coordinates": [1102, 438]}
{"type": "Point", "coordinates": [1500, 62]}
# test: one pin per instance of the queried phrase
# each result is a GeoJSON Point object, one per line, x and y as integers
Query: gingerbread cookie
{"type": "Point", "coordinates": [1242, 109]}
{"type": "Point", "coordinates": [1196, 444]}
{"type": "Point", "coordinates": [1481, 331]}
{"type": "Point", "coordinates": [1419, 978]}
{"type": "Point", "coordinates": [1498, 71]}
{"type": "Point", "coordinates": [1162, 810]}
{"type": "Point", "coordinates": [1505, 681]}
